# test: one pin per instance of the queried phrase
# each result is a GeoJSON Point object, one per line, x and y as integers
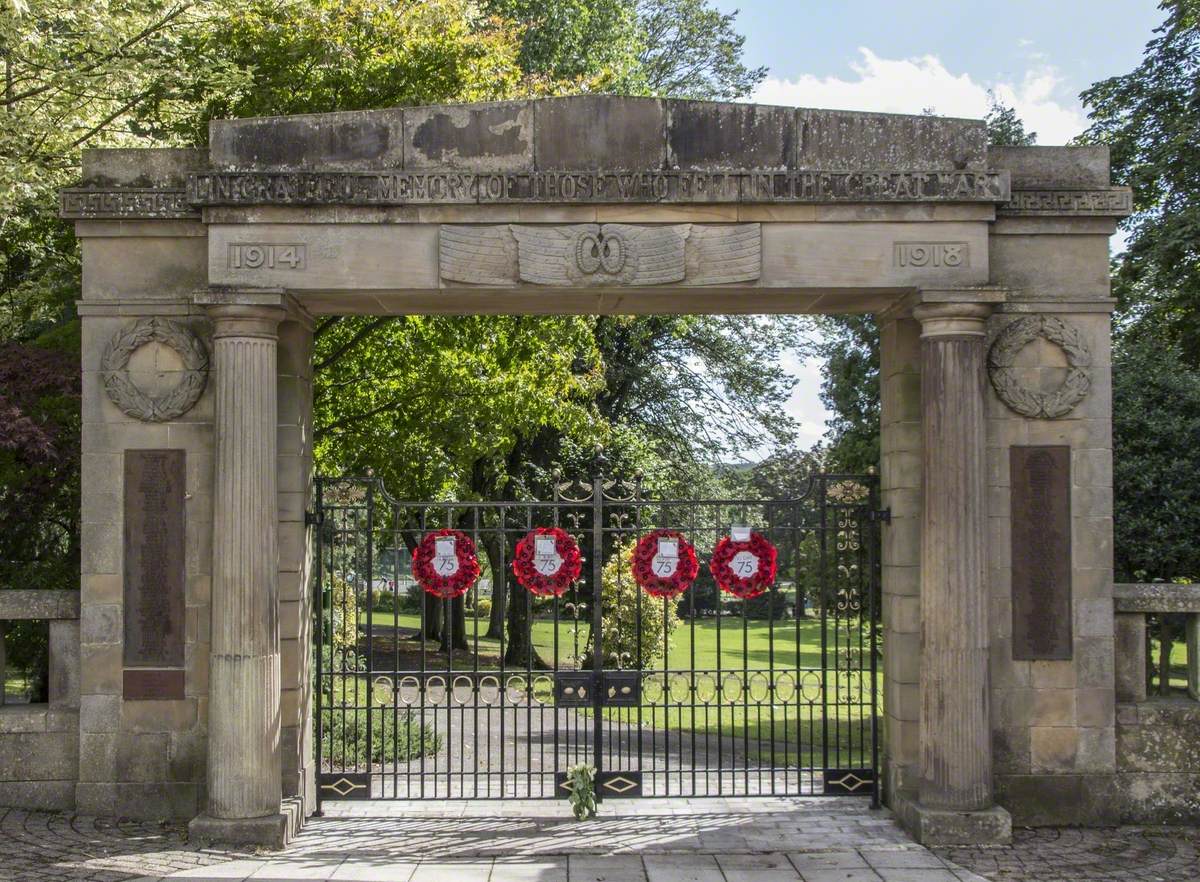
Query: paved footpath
{"type": "Point", "coordinates": [652, 840]}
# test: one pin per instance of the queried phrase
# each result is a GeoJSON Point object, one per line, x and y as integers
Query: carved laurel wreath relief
{"type": "Point", "coordinates": [575, 255]}
{"type": "Point", "coordinates": [1030, 402]}
{"type": "Point", "coordinates": [125, 394]}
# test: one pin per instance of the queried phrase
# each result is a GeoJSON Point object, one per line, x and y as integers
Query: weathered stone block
{"type": "Point", "coordinates": [599, 132]}
{"type": "Point", "coordinates": [100, 669]}
{"type": "Point", "coordinates": [493, 137]}
{"type": "Point", "coordinates": [98, 756]}
{"type": "Point", "coordinates": [100, 624]}
{"type": "Point", "coordinates": [40, 756]}
{"type": "Point", "coordinates": [141, 758]}
{"type": "Point", "coordinates": [140, 167]}
{"type": "Point", "coordinates": [1040, 800]}
{"type": "Point", "coordinates": [18, 603]}
{"type": "Point", "coordinates": [1035, 168]}
{"type": "Point", "coordinates": [715, 136]}
{"type": "Point", "coordinates": [850, 141]}
{"type": "Point", "coordinates": [64, 663]}
{"type": "Point", "coordinates": [41, 796]}
{"type": "Point", "coordinates": [140, 801]}
{"type": "Point", "coordinates": [357, 138]}
{"type": "Point", "coordinates": [1162, 740]}
{"type": "Point", "coordinates": [158, 716]}
{"type": "Point", "coordinates": [99, 713]}
{"type": "Point", "coordinates": [1053, 748]}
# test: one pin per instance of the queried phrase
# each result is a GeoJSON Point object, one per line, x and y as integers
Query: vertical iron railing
{"type": "Point", "coordinates": [734, 700]}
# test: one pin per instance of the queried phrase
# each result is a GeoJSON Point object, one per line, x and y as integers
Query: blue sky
{"type": "Point", "coordinates": [903, 57]}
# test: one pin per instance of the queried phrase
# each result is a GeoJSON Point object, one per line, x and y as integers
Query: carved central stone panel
{"type": "Point", "coordinates": [583, 255]}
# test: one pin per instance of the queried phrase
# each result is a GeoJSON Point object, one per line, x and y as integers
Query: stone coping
{"type": "Point", "coordinates": [25, 604]}
{"type": "Point", "coordinates": [1156, 597]}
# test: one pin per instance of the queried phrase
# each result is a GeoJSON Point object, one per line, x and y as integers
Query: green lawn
{"type": "Point", "coordinates": [763, 644]}
{"type": "Point", "coordinates": [1178, 664]}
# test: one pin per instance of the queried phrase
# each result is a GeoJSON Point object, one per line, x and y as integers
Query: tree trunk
{"type": "Point", "coordinates": [519, 651]}
{"type": "Point", "coordinates": [433, 616]}
{"type": "Point", "coordinates": [454, 635]}
{"type": "Point", "coordinates": [493, 548]}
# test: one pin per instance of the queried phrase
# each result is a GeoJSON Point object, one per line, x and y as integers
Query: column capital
{"type": "Point", "coordinates": [243, 320]}
{"type": "Point", "coordinates": [952, 319]}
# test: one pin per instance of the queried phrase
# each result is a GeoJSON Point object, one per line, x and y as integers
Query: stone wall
{"type": "Point", "coordinates": [39, 743]}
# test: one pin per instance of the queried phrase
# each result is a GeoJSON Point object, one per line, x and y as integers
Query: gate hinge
{"type": "Point", "coordinates": [314, 518]}
{"type": "Point", "coordinates": [880, 515]}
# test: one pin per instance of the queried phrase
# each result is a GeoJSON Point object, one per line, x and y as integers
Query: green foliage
{"type": "Point", "coordinates": [345, 603]}
{"type": "Point", "coordinates": [850, 389]}
{"type": "Point", "coordinates": [1004, 127]}
{"type": "Point", "coordinates": [315, 56]}
{"type": "Point", "coordinates": [483, 607]}
{"type": "Point", "coordinates": [589, 43]}
{"type": "Point", "coordinates": [394, 738]}
{"type": "Point", "coordinates": [1156, 424]}
{"type": "Point", "coordinates": [690, 49]}
{"type": "Point", "coordinates": [1150, 119]}
{"type": "Point", "coordinates": [582, 781]}
{"type": "Point", "coordinates": [636, 627]}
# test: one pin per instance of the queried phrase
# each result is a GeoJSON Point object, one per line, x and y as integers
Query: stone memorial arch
{"type": "Point", "coordinates": [987, 269]}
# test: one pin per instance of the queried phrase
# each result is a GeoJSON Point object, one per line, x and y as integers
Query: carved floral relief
{"type": "Point", "coordinates": [136, 402]}
{"type": "Point", "coordinates": [1019, 397]}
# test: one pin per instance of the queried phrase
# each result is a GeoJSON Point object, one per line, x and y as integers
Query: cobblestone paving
{"type": "Point", "coordinates": [1056, 854]}
{"type": "Point", "coordinates": [42, 845]}
{"type": "Point", "coordinates": [776, 840]}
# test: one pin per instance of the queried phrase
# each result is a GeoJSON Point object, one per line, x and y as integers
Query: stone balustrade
{"type": "Point", "coordinates": [39, 743]}
{"type": "Point", "coordinates": [1133, 602]}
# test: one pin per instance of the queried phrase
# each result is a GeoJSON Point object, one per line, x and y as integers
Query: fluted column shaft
{"type": "Point", "coordinates": [243, 711]}
{"type": "Point", "coordinates": [956, 755]}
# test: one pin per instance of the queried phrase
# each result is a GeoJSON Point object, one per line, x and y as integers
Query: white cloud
{"type": "Point", "coordinates": [910, 85]}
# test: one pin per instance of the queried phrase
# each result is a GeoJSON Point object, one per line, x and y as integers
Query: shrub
{"type": "Point", "coordinates": [346, 730]}
{"type": "Point", "coordinates": [619, 636]}
{"type": "Point", "coordinates": [483, 607]}
{"type": "Point", "coordinates": [386, 602]}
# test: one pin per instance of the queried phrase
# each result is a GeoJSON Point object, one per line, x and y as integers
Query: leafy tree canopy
{"type": "Point", "coordinates": [1150, 119]}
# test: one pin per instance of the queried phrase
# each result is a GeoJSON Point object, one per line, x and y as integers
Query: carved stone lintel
{"type": "Point", "coordinates": [582, 255]}
{"type": "Point", "coordinates": [1029, 402]}
{"type": "Point", "coordinates": [125, 394]}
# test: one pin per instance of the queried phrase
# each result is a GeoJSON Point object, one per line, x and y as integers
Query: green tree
{"type": "Point", "coordinates": [636, 628]}
{"type": "Point", "coordinates": [1150, 119]}
{"type": "Point", "coordinates": [850, 389]}
{"type": "Point", "coordinates": [1156, 421]}
{"type": "Point", "coordinates": [1004, 127]}
{"type": "Point", "coordinates": [690, 49]}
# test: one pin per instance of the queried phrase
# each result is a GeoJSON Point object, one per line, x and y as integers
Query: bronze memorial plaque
{"type": "Point", "coordinates": [1041, 552]}
{"type": "Point", "coordinates": [154, 573]}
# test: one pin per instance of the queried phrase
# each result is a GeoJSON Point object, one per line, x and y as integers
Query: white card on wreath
{"type": "Point", "coordinates": [545, 556]}
{"type": "Point", "coordinates": [666, 559]}
{"type": "Point", "coordinates": [740, 534]}
{"type": "Point", "coordinates": [744, 564]}
{"type": "Point", "coordinates": [445, 560]}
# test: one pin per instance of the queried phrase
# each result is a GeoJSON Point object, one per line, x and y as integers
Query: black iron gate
{"type": "Point", "coordinates": [704, 695]}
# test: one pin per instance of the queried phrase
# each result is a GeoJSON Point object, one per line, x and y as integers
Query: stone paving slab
{"type": "Point", "coordinates": [782, 840]}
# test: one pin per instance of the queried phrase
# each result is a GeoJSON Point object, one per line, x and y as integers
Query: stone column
{"type": "Point", "coordinates": [244, 790]}
{"type": "Point", "coordinates": [954, 800]}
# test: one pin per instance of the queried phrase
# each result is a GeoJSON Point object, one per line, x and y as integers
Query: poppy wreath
{"type": "Point", "coordinates": [455, 584]}
{"type": "Point", "coordinates": [555, 584]}
{"type": "Point", "coordinates": [664, 586]}
{"type": "Point", "coordinates": [757, 582]}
